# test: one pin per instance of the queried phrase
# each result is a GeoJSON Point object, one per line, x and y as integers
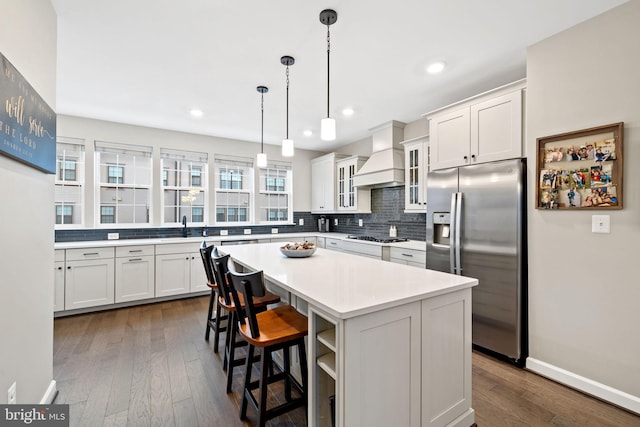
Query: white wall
{"type": "Point", "coordinates": [91, 130]}
{"type": "Point", "coordinates": [28, 40]}
{"type": "Point", "coordinates": [584, 288]}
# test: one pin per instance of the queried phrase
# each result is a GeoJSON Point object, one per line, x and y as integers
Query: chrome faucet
{"type": "Point", "coordinates": [184, 223]}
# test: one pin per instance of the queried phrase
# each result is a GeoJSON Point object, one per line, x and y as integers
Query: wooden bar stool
{"type": "Point", "coordinates": [225, 300]}
{"type": "Point", "coordinates": [279, 328]}
{"type": "Point", "coordinates": [213, 322]}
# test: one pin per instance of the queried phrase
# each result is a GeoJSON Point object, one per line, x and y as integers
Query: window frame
{"type": "Point", "coordinates": [185, 162]}
{"type": "Point", "coordinates": [140, 157]}
{"type": "Point", "coordinates": [286, 189]}
{"type": "Point", "coordinates": [225, 163]}
{"type": "Point", "coordinates": [70, 150]}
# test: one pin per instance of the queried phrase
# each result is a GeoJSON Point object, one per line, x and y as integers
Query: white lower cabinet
{"type": "Point", "coordinates": [411, 257]}
{"type": "Point", "coordinates": [173, 274]}
{"type": "Point", "coordinates": [89, 278]}
{"type": "Point", "coordinates": [179, 270]}
{"type": "Point", "coordinates": [58, 281]}
{"type": "Point", "coordinates": [354, 247]}
{"type": "Point", "coordinates": [198, 277]}
{"type": "Point", "coordinates": [134, 273]}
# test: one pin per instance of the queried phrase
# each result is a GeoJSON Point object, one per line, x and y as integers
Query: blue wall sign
{"type": "Point", "coordinates": [27, 123]}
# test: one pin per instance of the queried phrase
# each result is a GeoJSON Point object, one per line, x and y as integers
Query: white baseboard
{"type": "Point", "coordinates": [586, 385]}
{"type": "Point", "coordinates": [50, 394]}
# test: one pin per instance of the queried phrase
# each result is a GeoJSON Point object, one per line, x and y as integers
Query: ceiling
{"type": "Point", "coordinates": [149, 62]}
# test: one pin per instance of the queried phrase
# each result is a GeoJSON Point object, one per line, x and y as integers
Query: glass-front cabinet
{"type": "Point", "coordinates": [350, 198]}
{"type": "Point", "coordinates": [415, 174]}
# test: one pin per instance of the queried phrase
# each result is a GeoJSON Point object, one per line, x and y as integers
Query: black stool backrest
{"type": "Point", "coordinates": [250, 285]}
{"type": "Point", "coordinates": [220, 269]}
{"type": "Point", "coordinates": [205, 253]}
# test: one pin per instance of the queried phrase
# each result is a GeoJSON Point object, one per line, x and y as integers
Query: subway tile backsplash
{"type": "Point", "coordinates": [387, 206]}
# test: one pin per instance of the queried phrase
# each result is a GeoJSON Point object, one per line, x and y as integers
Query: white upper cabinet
{"type": "Point", "coordinates": [350, 198]}
{"type": "Point", "coordinates": [323, 184]}
{"type": "Point", "coordinates": [483, 129]}
{"type": "Point", "coordinates": [415, 171]}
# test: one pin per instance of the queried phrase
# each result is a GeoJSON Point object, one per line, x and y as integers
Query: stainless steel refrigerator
{"type": "Point", "coordinates": [476, 227]}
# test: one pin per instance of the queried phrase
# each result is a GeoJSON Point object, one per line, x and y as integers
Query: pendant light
{"type": "Point", "coordinates": [262, 158]}
{"type": "Point", "coordinates": [287, 144]}
{"type": "Point", "coordinates": [328, 125]}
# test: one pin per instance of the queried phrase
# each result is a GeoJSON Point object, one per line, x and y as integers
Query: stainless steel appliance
{"type": "Point", "coordinates": [476, 227]}
{"type": "Point", "coordinates": [323, 224]}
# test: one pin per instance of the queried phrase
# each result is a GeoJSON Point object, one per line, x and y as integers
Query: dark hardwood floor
{"type": "Point", "coordinates": [150, 366]}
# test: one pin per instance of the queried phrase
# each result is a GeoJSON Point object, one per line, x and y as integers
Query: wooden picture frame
{"type": "Point", "coordinates": [581, 169]}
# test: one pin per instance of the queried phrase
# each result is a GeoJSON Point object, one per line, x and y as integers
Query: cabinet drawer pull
{"type": "Point", "coordinates": [59, 268]}
{"type": "Point", "coordinates": [410, 255]}
{"type": "Point", "coordinates": [135, 259]}
{"type": "Point", "coordinates": [135, 251]}
{"type": "Point", "coordinates": [68, 267]}
{"type": "Point", "coordinates": [332, 243]}
{"type": "Point", "coordinates": [90, 253]}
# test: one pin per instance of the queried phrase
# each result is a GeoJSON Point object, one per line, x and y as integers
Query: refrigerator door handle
{"type": "Point", "coordinates": [452, 233]}
{"type": "Point", "coordinates": [458, 221]}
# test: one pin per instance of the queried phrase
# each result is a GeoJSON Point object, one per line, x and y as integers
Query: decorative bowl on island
{"type": "Point", "coordinates": [298, 250]}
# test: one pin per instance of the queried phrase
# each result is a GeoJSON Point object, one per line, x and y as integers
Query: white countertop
{"type": "Point", "coordinates": [345, 285]}
{"type": "Point", "coordinates": [412, 244]}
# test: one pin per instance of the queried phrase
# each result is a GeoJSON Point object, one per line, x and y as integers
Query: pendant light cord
{"type": "Point", "coordinates": [287, 102]}
{"type": "Point", "coordinates": [328, 51]}
{"type": "Point", "coordinates": [262, 123]}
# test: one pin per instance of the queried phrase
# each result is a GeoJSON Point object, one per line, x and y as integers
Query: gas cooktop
{"type": "Point", "coordinates": [379, 239]}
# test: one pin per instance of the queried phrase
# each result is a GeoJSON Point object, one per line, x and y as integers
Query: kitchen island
{"type": "Point", "coordinates": [391, 342]}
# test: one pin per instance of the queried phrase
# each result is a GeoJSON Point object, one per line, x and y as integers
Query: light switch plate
{"type": "Point", "coordinates": [113, 236]}
{"type": "Point", "coordinates": [274, 231]}
{"type": "Point", "coordinates": [301, 221]}
{"type": "Point", "coordinates": [600, 224]}
{"type": "Point", "coordinates": [360, 223]}
{"type": "Point", "coordinates": [224, 232]}
{"type": "Point", "coordinates": [335, 221]}
{"type": "Point", "coordinates": [247, 231]}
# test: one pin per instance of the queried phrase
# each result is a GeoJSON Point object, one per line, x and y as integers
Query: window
{"type": "Point", "coordinates": [234, 189]}
{"type": "Point", "coordinates": [67, 170]}
{"type": "Point", "coordinates": [64, 214]}
{"type": "Point", "coordinates": [196, 174]}
{"type": "Point", "coordinates": [107, 215]}
{"type": "Point", "coordinates": [184, 186]}
{"type": "Point", "coordinates": [115, 174]}
{"type": "Point", "coordinates": [274, 197]}
{"type": "Point", "coordinates": [123, 174]}
{"type": "Point", "coordinates": [68, 194]}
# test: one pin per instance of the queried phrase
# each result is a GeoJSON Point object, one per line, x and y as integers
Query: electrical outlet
{"type": "Point", "coordinates": [301, 221]}
{"type": "Point", "coordinates": [113, 236]}
{"type": "Point", "coordinates": [274, 231]}
{"type": "Point", "coordinates": [360, 223]}
{"type": "Point", "coordinates": [335, 221]}
{"type": "Point", "coordinates": [224, 232]}
{"type": "Point", "coordinates": [11, 394]}
{"type": "Point", "coordinates": [247, 231]}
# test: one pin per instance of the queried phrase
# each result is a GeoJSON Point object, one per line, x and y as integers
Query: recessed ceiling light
{"type": "Point", "coordinates": [347, 112]}
{"type": "Point", "coordinates": [435, 67]}
{"type": "Point", "coordinates": [307, 133]}
{"type": "Point", "coordinates": [196, 113]}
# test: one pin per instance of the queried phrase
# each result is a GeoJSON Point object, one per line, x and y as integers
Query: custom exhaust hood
{"type": "Point", "coordinates": [385, 167]}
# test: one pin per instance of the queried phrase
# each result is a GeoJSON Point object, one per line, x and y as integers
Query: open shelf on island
{"type": "Point", "coordinates": [328, 338]}
{"type": "Point", "coordinates": [328, 364]}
